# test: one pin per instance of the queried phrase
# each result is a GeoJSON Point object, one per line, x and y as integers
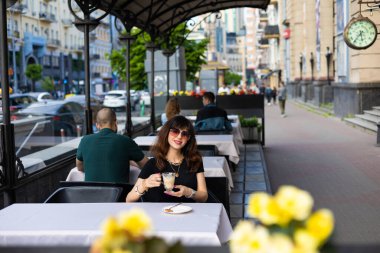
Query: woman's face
{"type": "Point", "coordinates": [178, 138]}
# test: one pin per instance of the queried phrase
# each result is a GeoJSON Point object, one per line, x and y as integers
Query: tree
{"type": "Point", "coordinates": [34, 72]}
{"type": "Point", "coordinates": [194, 54]}
{"type": "Point", "coordinates": [232, 78]}
{"type": "Point", "coordinates": [48, 84]}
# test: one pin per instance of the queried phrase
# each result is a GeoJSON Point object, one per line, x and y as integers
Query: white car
{"type": "Point", "coordinates": [41, 96]}
{"type": "Point", "coordinates": [118, 99]}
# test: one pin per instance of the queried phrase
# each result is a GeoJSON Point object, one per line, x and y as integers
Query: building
{"type": "Point", "coordinates": [42, 32]}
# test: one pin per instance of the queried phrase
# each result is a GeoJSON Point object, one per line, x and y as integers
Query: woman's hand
{"type": "Point", "coordinates": [183, 191]}
{"type": "Point", "coordinates": [153, 180]}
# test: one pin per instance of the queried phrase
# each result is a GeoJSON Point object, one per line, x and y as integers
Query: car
{"type": "Point", "coordinates": [95, 102]}
{"type": "Point", "coordinates": [145, 98]}
{"type": "Point", "coordinates": [17, 102]}
{"type": "Point", "coordinates": [66, 115]}
{"type": "Point", "coordinates": [41, 96]}
{"type": "Point", "coordinates": [118, 99]}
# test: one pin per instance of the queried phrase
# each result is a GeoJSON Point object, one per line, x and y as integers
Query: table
{"type": "Point", "coordinates": [224, 143]}
{"type": "Point", "coordinates": [233, 118]}
{"type": "Point", "coordinates": [214, 166]}
{"type": "Point", "coordinates": [79, 224]}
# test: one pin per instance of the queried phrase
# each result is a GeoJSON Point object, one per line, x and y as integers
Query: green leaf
{"type": "Point", "coordinates": [155, 245]}
{"type": "Point", "coordinates": [176, 248]}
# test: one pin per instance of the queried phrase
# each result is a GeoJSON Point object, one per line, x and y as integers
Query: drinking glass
{"type": "Point", "coordinates": [169, 178]}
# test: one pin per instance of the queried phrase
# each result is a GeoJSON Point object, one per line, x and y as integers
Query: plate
{"type": "Point", "coordinates": [177, 209]}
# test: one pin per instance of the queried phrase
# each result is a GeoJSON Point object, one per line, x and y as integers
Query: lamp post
{"type": "Point", "coordinates": [301, 65]}
{"type": "Point", "coordinates": [312, 65]}
{"type": "Point", "coordinates": [328, 61]}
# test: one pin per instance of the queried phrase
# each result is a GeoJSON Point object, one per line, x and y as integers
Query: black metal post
{"type": "Point", "coordinates": [167, 53]}
{"type": "Point", "coordinates": [128, 124]}
{"type": "Point", "coordinates": [151, 46]}
{"type": "Point", "coordinates": [312, 65]}
{"type": "Point", "coordinates": [7, 129]}
{"type": "Point", "coordinates": [88, 111]}
{"type": "Point", "coordinates": [328, 61]}
{"type": "Point", "coordinates": [301, 65]}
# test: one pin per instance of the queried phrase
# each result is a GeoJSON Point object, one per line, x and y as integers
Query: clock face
{"type": "Point", "coordinates": [360, 33]}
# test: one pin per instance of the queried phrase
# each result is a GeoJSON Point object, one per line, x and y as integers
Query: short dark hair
{"type": "Point", "coordinates": [210, 96]}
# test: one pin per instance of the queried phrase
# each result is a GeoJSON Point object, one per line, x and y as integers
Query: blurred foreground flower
{"type": "Point", "coordinates": [287, 224]}
{"type": "Point", "coordinates": [130, 232]}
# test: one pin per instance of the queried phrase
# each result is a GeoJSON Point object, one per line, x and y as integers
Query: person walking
{"type": "Point", "coordinates": [282, 98]}
{"type": "Point", "coordinates": [274, 95]}
{"type": "Point", "coordinates": [106, 155]}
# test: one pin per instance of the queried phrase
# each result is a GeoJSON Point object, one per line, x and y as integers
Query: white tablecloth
{"type": "Point", "coordinates": [224, 143]}
{"type": "Point", "coordinates": [79, 224]}
{"type": "Point", "coordinates": [214, 166]}
{"type": "Point", "coordinates": [233, 118]}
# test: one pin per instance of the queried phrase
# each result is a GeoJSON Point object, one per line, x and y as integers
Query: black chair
{"type": "Point", "coordinates": [207, 150]}
{"type": "Point", "coordinates": [86, 194]}
{"type": "Point", "coordinates": [212, 198]}
{"type": "Point", "coordinates": [126, 188]}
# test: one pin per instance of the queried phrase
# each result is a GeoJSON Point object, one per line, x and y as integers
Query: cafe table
{"type": "Point", "coordinates": [224, 143]}
{"type": "Point", "coordinates": [79, 224]}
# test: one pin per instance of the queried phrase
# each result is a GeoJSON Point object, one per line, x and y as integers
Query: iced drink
{"type": "Point", "coordinates": [169, 178]}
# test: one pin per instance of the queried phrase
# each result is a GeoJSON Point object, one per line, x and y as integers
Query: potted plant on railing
{"type": "Point", "coordinates": [251, 129]}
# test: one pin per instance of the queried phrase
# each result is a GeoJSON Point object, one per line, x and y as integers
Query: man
{"type": "Point", "coordinates": [106, 155]}
{"type": "Point", "coordinates": [211, 117]}
{"type": "Point", "coordinates": [282, 98]}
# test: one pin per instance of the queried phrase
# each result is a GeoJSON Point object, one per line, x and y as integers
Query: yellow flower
{"type": "Point", "coordinates": [135, 222]}
{"type": "Point", "coordinates": [175, 93]}
{"type": "Point", "coordinates": [181, 93]}
{"type": "Point", "coordinates": [111, 227]}
{"type": "Point", "coordinates": [320, 224]}
{"type": "Point", "coordinates": [294, 202]}
{"type": "Point", "coordinates": [247, 238]}
{"type": "Point", "coordinates": [263, 207]}
{"type": "Point", "coordinates": [280, 243]}
{"type": "Point", "coordinates": [305, 241]}
{"type": "Point", "coordinates": [121, 251]}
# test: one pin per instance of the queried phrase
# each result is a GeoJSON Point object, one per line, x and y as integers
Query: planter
{"type": "Point", "coordinates": [251, 134]}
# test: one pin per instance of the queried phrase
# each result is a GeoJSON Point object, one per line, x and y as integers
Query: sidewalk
{"type": "Point", "coordinates": [338, 164]}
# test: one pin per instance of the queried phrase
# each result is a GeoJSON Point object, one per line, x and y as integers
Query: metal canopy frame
{"type": "Point", "coordinates": [158, 16]}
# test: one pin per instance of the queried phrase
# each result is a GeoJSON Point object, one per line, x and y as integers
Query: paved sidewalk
{"type": "Point", "coordinates": [338, 164]}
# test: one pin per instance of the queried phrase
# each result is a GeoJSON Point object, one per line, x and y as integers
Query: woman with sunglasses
{"type": "Point", "coordinates": [175, 150]}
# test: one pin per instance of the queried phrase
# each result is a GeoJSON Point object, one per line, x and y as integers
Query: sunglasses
{"type": "Point", "coordinates": [175, 132]}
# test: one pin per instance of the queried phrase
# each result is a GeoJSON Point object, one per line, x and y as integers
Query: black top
{"type": "Point", "coordinates": [185, 178]}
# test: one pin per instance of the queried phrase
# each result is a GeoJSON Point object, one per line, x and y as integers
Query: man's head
{"type": "Point", "coordinates": [106, 118]}
{"type": "Point", "coordinates": [208, 98]}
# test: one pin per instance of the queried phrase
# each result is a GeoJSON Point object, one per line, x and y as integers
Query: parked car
{"type": "Point", "coordinates": [118, 99]}
{"type": "Point", "coordinates": [41, 96]}
{"type": "Point", "coordinates": [95, 102]}
{"type": "Point", "coordinates": [64, 115]}
{"type": "Point", "coordinates": [17, 102]}
{"type": "Point", "coordinates": [145, 97]}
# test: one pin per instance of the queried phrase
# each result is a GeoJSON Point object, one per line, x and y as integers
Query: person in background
{"type": "Point", "coordinates": [274, 95]}
{"type": "Point", "coordinates": [211, 117]}
{"type": "Point", "coordinates": [106, 155]}
{"type": "Point", "coordinates": [223, 90]}
{"type": "Point", "coordinates": [175, 150]}
{"type": "Point", "coordinates": [172, 109]}
{"type": "Point", "coordinates": [268, 94]}
{"type": "Point", "coordinates": [282, 98]}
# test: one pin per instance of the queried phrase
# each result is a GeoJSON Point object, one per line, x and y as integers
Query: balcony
{"type": "Point", "coordinates": [96, 74]}
{"type": "Point", "coordinates": [272, 32]}
{"type": "Point", "coordinates": [53, 43]}
{"type": "Point", "coordinates": [263, 17]}
{"type": "Point", "coordinates": [47, 17]}
{"type": "Point", "coordinates": [19, 8]}
{"type": "Point", "coordinates": [14, 34]}
{"type": "Point", "coordinates": [66, 22]}
{"type": "Point", "coordinates": [93, 36]}
{"type": "Point", "coordinates": [263, 43]}
{"type": "Point", "coordinates": [95, 56]}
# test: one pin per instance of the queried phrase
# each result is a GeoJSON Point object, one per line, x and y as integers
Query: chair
{"type": "Point", "coordinates": [126, 188]}
{"type": "Point", "coordinates": [207, 150]}
{"type": "Point", "coordinates": [212, 198]}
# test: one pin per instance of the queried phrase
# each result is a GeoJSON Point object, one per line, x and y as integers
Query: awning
{"type": "Point", "coordinates": [212, 65]}
{"type": "Point", "coordinates": [159, 16]}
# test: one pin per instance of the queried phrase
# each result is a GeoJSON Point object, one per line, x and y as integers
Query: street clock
{"type": "Point", "coordinates": [360, 33]}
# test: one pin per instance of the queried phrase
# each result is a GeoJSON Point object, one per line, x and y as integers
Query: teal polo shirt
{"type": "Point", "coordinates": [106, 156]}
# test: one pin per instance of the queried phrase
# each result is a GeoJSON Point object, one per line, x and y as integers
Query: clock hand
{"type": "Point", "coordinates": [357, 37]}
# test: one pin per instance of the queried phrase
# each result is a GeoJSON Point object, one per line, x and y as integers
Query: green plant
{"type": "Point", "coordinates": [34, 72]}
{"type": "Point", "coordinates": [47, 84]}
{"type": "Point", "coordinates": [249, 122]}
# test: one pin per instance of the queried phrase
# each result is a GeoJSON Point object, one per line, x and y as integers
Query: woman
{"type": "Point", "coordinates": [172, 109]}
{"type": "Point", "coordinates": [175, 151]}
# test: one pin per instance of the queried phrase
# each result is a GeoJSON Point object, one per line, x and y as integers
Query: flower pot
{"type": "Point", "coordinates": [251, 134]}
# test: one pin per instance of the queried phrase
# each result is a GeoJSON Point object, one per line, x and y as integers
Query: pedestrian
{"type": "Point", "coordinates": [274, 95]}
{"type": "Point", "coordinates": [282, 98]}
{"type": "Point", "coordinates": [106, 155]}
{"type": "Point", "coordinates": [268, 94]}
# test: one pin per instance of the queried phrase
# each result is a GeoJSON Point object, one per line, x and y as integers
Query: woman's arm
{"type": "Point", "coordinates": [142, 186]}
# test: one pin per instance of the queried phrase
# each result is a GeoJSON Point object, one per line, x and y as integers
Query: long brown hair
{"type": "Point", "coordinates": [172, 108]}
{"type": "Point", "coordinates": [190, 152]}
